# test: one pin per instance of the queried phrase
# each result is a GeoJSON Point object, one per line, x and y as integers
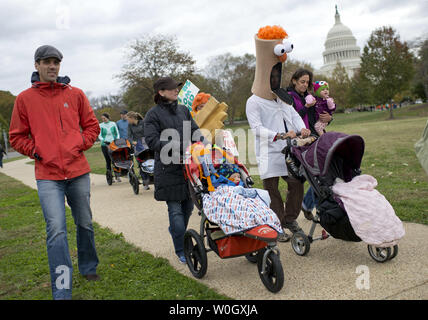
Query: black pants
{"type": "Point", "coordinates": [104, 149]}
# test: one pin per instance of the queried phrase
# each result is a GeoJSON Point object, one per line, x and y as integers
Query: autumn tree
{"type": "Point", "coordinates": [387, 64]}
{"type": "Point", "coordinates": [149, 58]}
{"type": "Point", "coordinates": [421, 87]}
{"type": "Point", "coordinates": [232, 78]}
{"type": "Point", "coordinates": [7, 101]}
{"type": "Point", "coordinates": [339, 85]}
{"type": "Point", "coordinates": [359, 92]}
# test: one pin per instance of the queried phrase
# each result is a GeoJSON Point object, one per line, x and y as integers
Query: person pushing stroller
{"type": "Point", "coordinates": [136, 137]}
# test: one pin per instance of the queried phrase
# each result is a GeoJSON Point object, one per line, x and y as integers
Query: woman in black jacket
{"type": "Point", "coordinates": [169, 128]}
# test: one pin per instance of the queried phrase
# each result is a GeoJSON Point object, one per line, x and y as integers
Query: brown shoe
{"type": "Point", "coordinates": [92, 277]}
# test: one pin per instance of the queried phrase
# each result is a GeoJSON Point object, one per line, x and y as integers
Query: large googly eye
{"type": "Point", "coordinates": [288, 46]}
{"type": "Point", "coordinates": [282, 48]}
{"type": "Point", "coordinates": [279, 50]}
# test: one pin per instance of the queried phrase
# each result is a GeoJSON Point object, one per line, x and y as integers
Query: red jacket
{"type": "Point", "coordinates": [56, 121]}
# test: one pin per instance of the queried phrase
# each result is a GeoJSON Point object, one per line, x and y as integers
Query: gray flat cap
{"type": "Point", "coordinates": [47, 51]}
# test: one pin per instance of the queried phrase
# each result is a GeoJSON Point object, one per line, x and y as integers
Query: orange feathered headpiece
{"type": "Point", "coordinates": [200, 98]}
{"type": "Point", "coordinates": [272, 32]}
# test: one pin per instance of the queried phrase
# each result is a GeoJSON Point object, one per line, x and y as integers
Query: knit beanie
{"type": "Point", "coordinates": [227, 169]}
{"type": "Point", "coordinates": [319, 86]}
{"type": "Point", "coordinates": [200, 98]}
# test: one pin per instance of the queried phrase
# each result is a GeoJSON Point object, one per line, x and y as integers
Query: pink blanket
{"type": "Point", "coordinates": [371, 215]}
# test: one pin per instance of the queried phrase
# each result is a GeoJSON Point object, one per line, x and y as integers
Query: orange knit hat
{"type": "Point", "coordinates": [200, 98]}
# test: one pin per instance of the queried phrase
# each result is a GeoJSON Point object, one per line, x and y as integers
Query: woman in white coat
{"type": "Point", "coordinates": [272, 121]}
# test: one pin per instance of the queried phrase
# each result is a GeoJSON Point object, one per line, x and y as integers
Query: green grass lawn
{"type": "Point", "coordinates": [126, 271]}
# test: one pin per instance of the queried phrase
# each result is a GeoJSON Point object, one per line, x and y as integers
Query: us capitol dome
{"type": "Point", "coordinates": [340, 46]}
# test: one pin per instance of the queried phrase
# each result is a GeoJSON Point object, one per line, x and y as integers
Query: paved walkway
{"type": "Point", "coordinates": [329, 271]}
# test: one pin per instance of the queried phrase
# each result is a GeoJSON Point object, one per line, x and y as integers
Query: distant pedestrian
{"type": "Point", "coordinates": [136, 137]}
{"type": "Point", "coordinates": [1, 155]}
{"type": "Point", "coordinates": [108, 133]}
{"type": "Point", "coordinates": [122, 125]}
{"type": "Point", "coordinates": [53, 123]}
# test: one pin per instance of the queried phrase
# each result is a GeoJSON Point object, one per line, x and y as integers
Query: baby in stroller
{"type": "Point", "coordinates": [235, 208]}
{"type": "Point", "coordinates": [235, 219]}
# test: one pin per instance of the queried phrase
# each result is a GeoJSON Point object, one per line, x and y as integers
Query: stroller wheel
{"type": "Point", "coordinates": [270, 270]}
{"type": "Point", "coordinates": [394, 252]}
{"type": "Point", "coordinates": [195, 253]}
{"type": "Point", "coordinates": [300, 243]}
{"type": "Point", "coordinates": [380, 254]}
{"type": "Point", "coordinates": [252, 257]}
{"type": "Point", "coordinates": [109, 177]}
{"type": "Point", "coordinates": [133, 179]}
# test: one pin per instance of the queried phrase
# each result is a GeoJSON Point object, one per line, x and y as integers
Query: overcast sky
{"type": "Point", "coordinates": [93, 35]}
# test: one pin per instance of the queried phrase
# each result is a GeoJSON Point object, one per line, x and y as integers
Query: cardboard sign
{"type": "Point", "coordinates": [187, 94]}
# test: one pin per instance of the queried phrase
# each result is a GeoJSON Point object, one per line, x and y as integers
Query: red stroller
{"type": "Point", "coordinates": [258, 244]}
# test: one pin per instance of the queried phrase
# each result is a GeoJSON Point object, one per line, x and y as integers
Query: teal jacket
{"type": "Point", "coordinates": [109, 132]}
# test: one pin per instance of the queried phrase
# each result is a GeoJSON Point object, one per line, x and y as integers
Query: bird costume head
{"type": "Point", "coordinates": [271, 53]}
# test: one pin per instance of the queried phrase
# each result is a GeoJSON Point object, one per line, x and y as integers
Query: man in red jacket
{"type": "Point", "coordinates": [53, 123]}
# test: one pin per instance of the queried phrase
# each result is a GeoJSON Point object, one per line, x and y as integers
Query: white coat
{"type": "Point", "coordinates": [266, 119]}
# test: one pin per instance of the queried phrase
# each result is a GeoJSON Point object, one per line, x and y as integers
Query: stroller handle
{"type": "Point", "coordinates": [293, 142]}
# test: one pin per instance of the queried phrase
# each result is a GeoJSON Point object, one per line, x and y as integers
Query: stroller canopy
{"type": "Point", "coordinates": [316, 158]}
{"type": "Point", "coordinates": [119, 144]}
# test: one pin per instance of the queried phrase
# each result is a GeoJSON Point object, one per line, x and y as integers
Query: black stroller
{"type": "Point", "coordinates": [333, 155]}
{"type": "Point", "coordinates": [122, 156]}
{"type": "Point", "coordinates": [146, 164]}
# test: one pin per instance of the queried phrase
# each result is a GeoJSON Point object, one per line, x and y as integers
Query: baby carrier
{"type": "Point", "coordinates": [258, 244]}
{"type": "Point", "coordinates": [332, 158]}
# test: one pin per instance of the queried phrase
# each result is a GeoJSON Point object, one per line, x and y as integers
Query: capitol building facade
{"type": "Point", "coordinates": [340, 46]}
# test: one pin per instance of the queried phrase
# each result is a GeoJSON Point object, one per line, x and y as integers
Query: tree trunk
{"type": "Point", "coordinates": [391, 113]}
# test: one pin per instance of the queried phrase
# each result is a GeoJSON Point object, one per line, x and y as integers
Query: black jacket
{"type": "Point", "coordinates": [170, 183]}
{"type": "Point", "coordinates": [136, 131]}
